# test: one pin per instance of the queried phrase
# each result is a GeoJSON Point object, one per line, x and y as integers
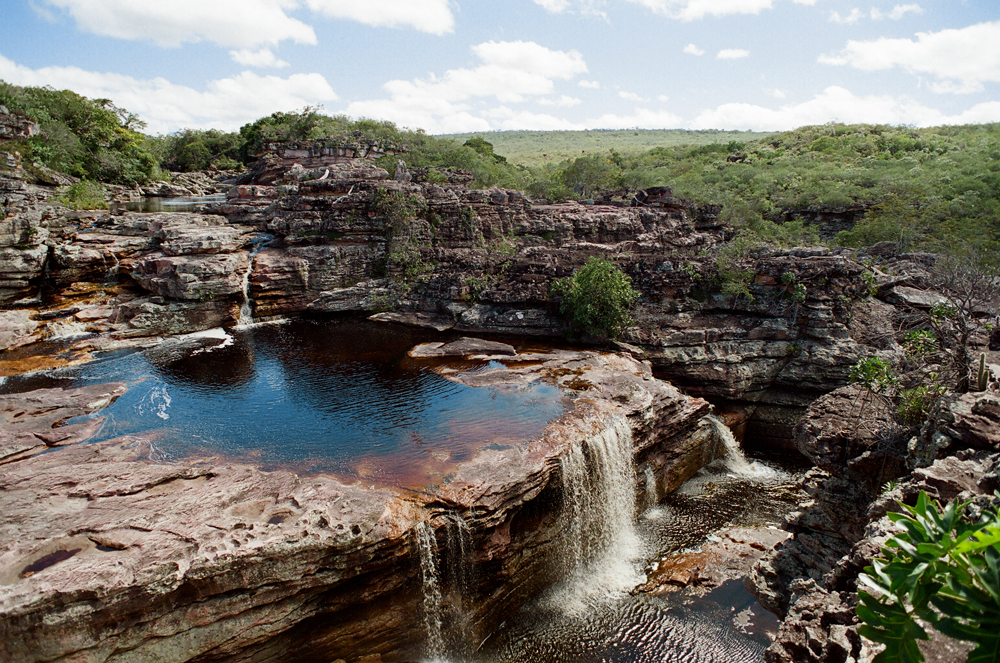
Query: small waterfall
{"type": "Point", "coordinates": [433, 600]}
{"type": "Point", "coordinates": [246, 309]}
{"type": "Point", "coordinates": [730, 455]}
{"type": "Point", "coordinates": [599, 497]}
{"type": "Point", "coordinates": [448, 577]}
{"type": "Point", "coordinates": [650, 487]}
{"type": "Point", "coordinates": [112, 274]}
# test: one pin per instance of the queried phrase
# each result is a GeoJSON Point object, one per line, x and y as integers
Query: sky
{"type": "Point", "coordinates": [452, 66]}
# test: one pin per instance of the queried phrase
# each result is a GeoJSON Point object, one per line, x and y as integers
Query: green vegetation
{"type": "Point", "coordinates": [596, 298]}
{"type": "Point", "coordinates": [191, 150]}
{"type": "Point", "coordinates": [943, 570]}
{"type": "Point", "coordinates": [88, 138]}
{"type": "Point", "coordinates": [538, 148]}
{"type": "Point", "coordinates": [84, 195]}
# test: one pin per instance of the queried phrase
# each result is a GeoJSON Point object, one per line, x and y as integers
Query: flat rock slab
{"type": "Point", "coordinates": [463, 347]}
{"type": "Point", "coordinates": [32, 422]}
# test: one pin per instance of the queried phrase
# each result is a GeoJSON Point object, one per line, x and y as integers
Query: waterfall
{"type": "Point", "coordinates": [432, 601]}
{"type": "Point", "coordinates": [112, 273]}
{"type": "Point", "coordinates": [599, 499]}
{"type": "Point", "coordinates": [246, 309]}
{"type": "Point", "coordinates": [650, 493]}
{"type": "Point", "coordinates": [448, 576]}
{"type": "Point", "coordinates": [730, 455]}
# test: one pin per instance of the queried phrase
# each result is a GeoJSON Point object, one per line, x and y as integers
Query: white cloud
{"type": "Point", "coordinates": [631, 96]}
{"type": "Point", "coordinates": [228, 23]}
{"type": "Point", "coordinates": [433, 16]}
{"type": "Point", "coordinates": [226, 104]}
{"type": "Point", "coordinates": [733, 54]}
{"type": "Point", "coordinates": [691, 49]}
{"type": "Point", "coordinates": [507, 118]}
{"type": "Point", "coordinates": [554, 6]}
{"type": "Point", "coordinates": [688, 10]}
{"type": "Point", "coordinates": [511, 72]}
{"type": "Point", "coordinates": [961, 59]}
{"type": "Point", "coordinates": [640, 117]}
{"type": "Point", "coordinates": [564, 101]}
{"type": "Point", "coordinates": [776, 93]}
{"type": "Point", "coordinates": [898, 12]}
{"type": "Point", "coordinates": [590, 85]}
{"type": "Point", "coordinates": [663, 97]}
{"type": "Point", "coordinates": [849, 19]}
{"type": "Point", "coordinates": [840, 105]}
{"type": "Point", "coordinates": [262, 58]}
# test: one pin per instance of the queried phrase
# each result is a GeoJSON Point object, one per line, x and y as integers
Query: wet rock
{"type": "Point", "coordinates": [33, 422]}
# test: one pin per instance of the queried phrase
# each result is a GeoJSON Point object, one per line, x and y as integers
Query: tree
{"type": "Point", "coordinates": [596, 298]}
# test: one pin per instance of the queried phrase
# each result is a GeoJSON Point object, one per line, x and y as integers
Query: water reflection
{"type": "Point", "coordinates": [178, 204]}
{"type": "Point", "coordinates": [338, 396]}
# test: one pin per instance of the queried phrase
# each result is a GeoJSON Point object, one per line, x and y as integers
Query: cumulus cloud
{"type": "Point", "coordinates": [262, 58]}
{"type": "Point", "coordinates": [432, 16]}
{"type": "Point", "coordinates": [849, 19]}
{"type": "Point", "coordinates": [554, 6]}
{"type": "Point", "coordinates": [225, 104]}
{"type": "Point", "coordinates": [663, 98]}
{"type": "Point", "coordinates": [511, 72]}
{"type": "Point", "coordinates": [961, 59]}
{"type": "Point", "coordinates": [776, 93]}
{"type": "Point", "coordinates": [631, 96]}
{"type": "Point", "coordinates": [689, 10]}
{"type": "Point", "coordinates": [228, 23]}
{"type": "Point", "coordinates": [733, 54]}
{"type": "Point", "coordinates": [840, 105]}
{"type": "Point", "coordinates": [898, 12]}
{"type": "Point", "coordinates": [640, 117]}
{"type": "Point", "coordinates": [564, 101]}
{"type": "Point", "coordinates": [506, 118]}
{"type": "Point", "coordinates": [591, 85]}
{"type": "Point", "coordinates": [691, 49]}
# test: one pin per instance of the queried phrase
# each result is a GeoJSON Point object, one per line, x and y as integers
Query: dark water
{"type": "Point", "coordinates": [727, 625]}
{"type": "Point", "coordinates": [338, 396]}
{"type": "Point", "coordinates": [183, 204]}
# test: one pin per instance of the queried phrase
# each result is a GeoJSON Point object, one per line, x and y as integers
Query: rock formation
{"type": "Point", "coordinates": [110, 555]}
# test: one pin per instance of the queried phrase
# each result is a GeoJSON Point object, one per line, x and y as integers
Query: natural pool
{"type": "Point", "coordinates": [338, 396]}
{"type": "Point", "coordinates": [342, 396]}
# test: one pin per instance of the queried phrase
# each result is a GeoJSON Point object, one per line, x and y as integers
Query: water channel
{"type": "Point", "coordinates": [342, 396]}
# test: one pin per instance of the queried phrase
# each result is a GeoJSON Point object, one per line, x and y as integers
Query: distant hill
{"type": "Point", "coordinates": [536, 148]}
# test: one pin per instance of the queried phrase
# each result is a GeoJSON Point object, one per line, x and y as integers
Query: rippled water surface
{"type": "Point", "coordinates": [337, 396]}
{"type": "Point", "coordinates": [727, 625]}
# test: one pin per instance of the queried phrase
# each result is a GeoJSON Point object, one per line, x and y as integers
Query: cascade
{"type": "Point", "coordinates": [246, 310]}
{"type": "Point", "coordinates": [432, 601]}
{"type": "Point", "coordinates": [601, 546]}
{"type": "Point", "coordinates": [649, 495]}
{"type": "Point", "coordinates": [448, 575]}
{"type": "Point", "coordinates": [112, 274]}
{"type": "Point", "coordinates": [730, 455]}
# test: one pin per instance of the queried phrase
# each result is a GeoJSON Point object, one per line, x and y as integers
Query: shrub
{"type": "Point", "coordinates": [84, 195]}
{"type": "Point", "coordinates": [943, 571]}
{"type": "Point", "coordinates": [596, 298]}
{"type": "Point", "coordinates": [873, 374]}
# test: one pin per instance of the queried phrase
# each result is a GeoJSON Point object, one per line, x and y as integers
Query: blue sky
{"type": "Point", "coordinates": [478, 65]}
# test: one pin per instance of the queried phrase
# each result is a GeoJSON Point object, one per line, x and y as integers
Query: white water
{"type": "Point", "coordinates": [731, 456]}
{"type": "Point", "coordinates": [432, 603]}
{"type": "Point", "coordinates": [602, 547]}
{"type": "Point", "coordinates": [246, 309]}
{"type": "Point", "coordinates": [112, 273]}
